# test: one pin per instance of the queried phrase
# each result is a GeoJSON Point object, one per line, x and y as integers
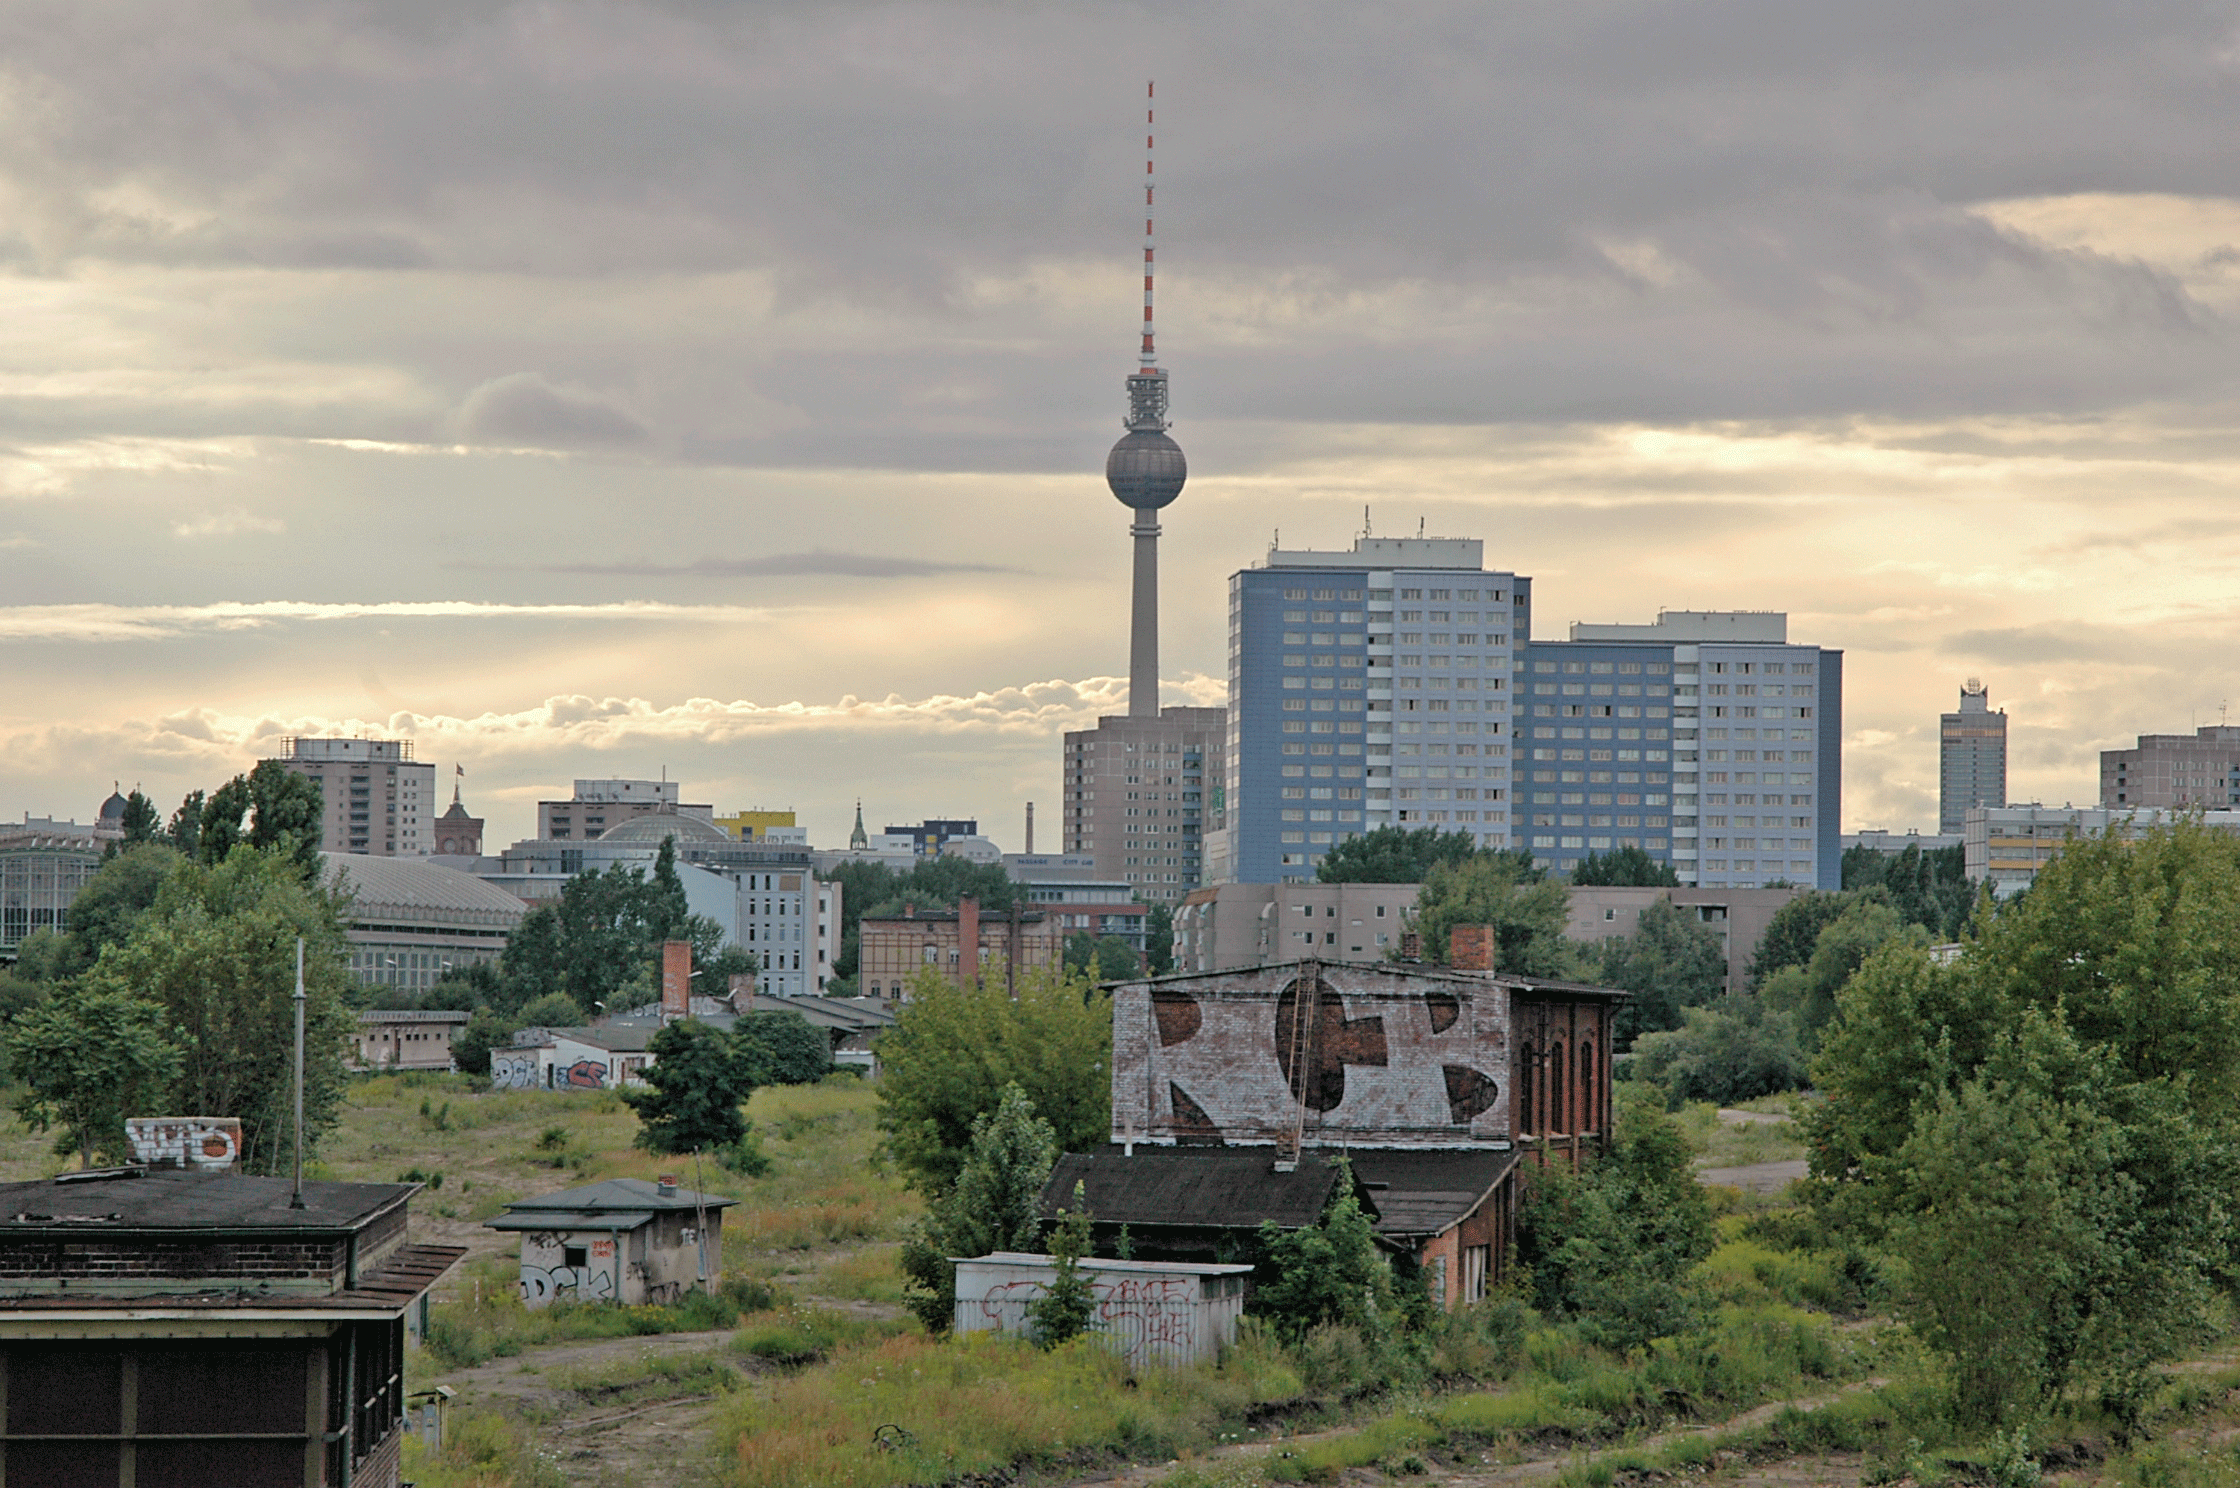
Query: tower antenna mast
{"type": "Point", "coordinates": [1145, 469]}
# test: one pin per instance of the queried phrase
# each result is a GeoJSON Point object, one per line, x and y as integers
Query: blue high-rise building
{"type": "Point", "coordinates": [1706, 739]}
{"type": "Point", "coordinates": [1366, 688]}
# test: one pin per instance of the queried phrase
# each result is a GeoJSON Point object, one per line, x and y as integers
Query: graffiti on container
{"type": "Point", "coordinates": [587, 1074]}
{"type": "Point", "coordinates": [584, 1283]}
{"type": "Point", "coordinates": [1154, 1307]}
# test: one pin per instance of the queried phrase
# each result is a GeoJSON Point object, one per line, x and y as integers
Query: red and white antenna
{"type": "Point", "coordinates": [1150, 358]}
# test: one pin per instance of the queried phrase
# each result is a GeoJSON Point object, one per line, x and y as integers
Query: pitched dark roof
{"type": "Point", "coordinates": [1398, 972]}
{"type": "Point", "coordinates": [1423, 1192]}
{"type": "Point", "coordinates": [169, 1199]}
{"type": "Point", "coordinates": [617, 1195]}
{"type": "Point", "coordinates": [1200, 1187]}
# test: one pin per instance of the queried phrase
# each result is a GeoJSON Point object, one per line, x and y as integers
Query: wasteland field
{"type": "Point", "coordinates": [790, 1375]}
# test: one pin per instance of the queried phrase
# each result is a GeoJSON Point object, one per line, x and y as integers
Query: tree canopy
{"type": "Point", "coordinates": [1527, 910]}
{"type": "Point", "coordinates": [995, 1203]}
{"type": "Point", "coordinates": [1929, 889]}
{"type": "Point", "coordinates": [694, 1087]}
{"type": "Point", "coordinates": [2042, 1129]}
{"type": "Point", "coordinates": [954, 1050]}
{"type": "Point", "coordinates": [1396, 855]}
{"type": "Point", "coordinates": [1627, 867]}
{"type": "Point", "coordinates": [284, 813]}
{"type": "Point", "coordinates": [1670, 963]}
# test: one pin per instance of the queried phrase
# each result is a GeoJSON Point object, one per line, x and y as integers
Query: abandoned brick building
{"type": "Point", "coordinates": [1232, 1090]}
{"type": "Point", "coordinates": [183, 1329]}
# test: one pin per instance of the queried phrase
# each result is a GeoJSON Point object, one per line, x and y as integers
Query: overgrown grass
{"type": "Point", "coordinates": [648, 1377]}
{"type": "Point", "coordinates": [868, 1275]}
{"type": "Point", "coordinates": [481, 1449]}
{"type": "Point", "coordinates": [981, 1402]}
{"type": "Point", "coordinates": [465, 1333]}
{"type": "Point", "coordinates": [802, 1335]}
{"type": "Point", "coordinates": [1721, 1144]}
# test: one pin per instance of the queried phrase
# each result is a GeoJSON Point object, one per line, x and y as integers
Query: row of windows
{"type": "Point", "coordinates": [1605, 668]}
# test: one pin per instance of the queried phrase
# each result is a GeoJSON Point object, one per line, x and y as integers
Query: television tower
{"type": "Point", "coordinates": [1146, 471]}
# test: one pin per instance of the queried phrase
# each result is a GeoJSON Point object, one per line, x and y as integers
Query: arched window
{"type": "Point", "coordinates": [1559, 1089]}
{"type": "Point", "coordinates": [1590, 1094]}
{"type": "Point", "coordinates": [1527, 1087]}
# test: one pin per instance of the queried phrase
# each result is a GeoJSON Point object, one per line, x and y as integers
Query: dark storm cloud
{"type": "Point", "coordinates": [1462, 213]}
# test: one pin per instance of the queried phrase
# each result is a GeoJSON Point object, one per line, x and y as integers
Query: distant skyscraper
{"type": "Point", "coordinates": [1610, 769]}
{"type": "Point", "coordinates": [1971, 758]}
{"type": "Point", "coordinates": [1367, 688]}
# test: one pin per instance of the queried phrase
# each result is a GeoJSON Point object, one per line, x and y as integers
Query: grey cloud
{"type": "Point", "coordinates": [2023, 645]}
{"type": "Point", "coordinates": [783, 565]}
{"type": "Point", "coordinates": [524, 409]}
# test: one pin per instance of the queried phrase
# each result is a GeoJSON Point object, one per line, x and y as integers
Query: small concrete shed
{"type": "Point", "coordinates": [1156, 1312]}
{"type": "Point", "coordinates": [624, 1240]}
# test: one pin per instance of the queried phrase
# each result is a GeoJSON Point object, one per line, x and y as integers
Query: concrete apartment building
{"type": "Point", "coordinates": [1070, 888]}
{"type": "Point", "coordinates": [960, 943]}
{"type": "Point", "coordinates": [380, 801]}
{"type": "Point", "coordinates": [1971, 758]}
{"type": "Point", "coordinates": [2009, 846]}
{"type": "Point", "coordinates": [1346, 671]}
{"type": "Point", "coordinates": [1141, 795]}
{"type": "Point", "coordinates": [1236, 925]}
{"type": "Point", "coordinates": [1608, 768]}
{"type": "Point", "coordinates": [600, 804]}
{"type": "Point", "coordinates": [2197, 771]}
{"type": "Point", "coordinates": [1739, 917]}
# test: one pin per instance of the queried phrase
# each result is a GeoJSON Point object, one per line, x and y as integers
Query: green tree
{"type": "Point", "coordinates": [1528, 913]}
{"type": "Point", "coordinates": [186, 825]}
{"type": "Point", "coordinates": [1729, 1052]}
{"type": "Point", "coordinates": [2081, 1054]}
{"type": "Point", "coordinates": [1400, 855]}
{"type": "Point", "coordinates": [86, 1060]}
{"type": "Point", "coordinates": [995, 1204]}
{"type": "Point", "coordinates": [486, 1030]}
{"type": "Point", "coordinates": [1105, 958]}
{"type": "Point", "coordinates": [1612, 1248]}
{"type": "Point", "coordinates": [1866, 923]}
{"type": "Point", "coordinates": [782, 1048]}
{"type": "Point", "coordinates": [114, 899]}
{"type": "Point", "coordinates": [283, 812]}
{"type": "Point", "coordinates": [954, 1050]}
{"type": "Point", "coordinates": [1329, 1272]}
{"type": "Point", "coordinates": [141, 821]}
{"type": "Point", "coordinates": [1158, 939]}
{"type": "Point", "coordinates": [553, 1010]}
{"type": "Point", "coordinates": [46, 956]}
{"type": "Point", "coordinates": [1627, 867]}
{"type": "Point", "coordinates": [693, 1091]}
{"type": "Point", "coordinates": [217, 952]}
{"type": "Point", "coordinates": [1793, 933]}
{"type": "Point", "coordinates": [1068, 1305]}
{"type": "Point", "coordinates": [1670, 963]}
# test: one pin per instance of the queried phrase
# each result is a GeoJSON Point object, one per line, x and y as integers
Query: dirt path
{"type": "Point", "coordinates": [1733, 1117]}
{"type": "Point", "coordinates": [602, 1421]}
{"type": "Point", "coordinates": [1764, 1178]}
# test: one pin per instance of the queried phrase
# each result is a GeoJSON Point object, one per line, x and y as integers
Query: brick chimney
{"type": "Point", "coordinates": [968, 940]}
{"type": "Point", "coordinates": [1473, 948]}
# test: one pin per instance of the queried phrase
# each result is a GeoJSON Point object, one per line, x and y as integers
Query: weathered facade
{"type": "Point", "coordinates": [1439, 1085]}
{"type": "Point", "coordinates": [167, 1327]}
{"type": "Point", "coordinates": [1152, 1312]}
{"type": "Point", "coordinates": [407, 1039]}
{"type": "Point", "coordinates": [624, 1240]}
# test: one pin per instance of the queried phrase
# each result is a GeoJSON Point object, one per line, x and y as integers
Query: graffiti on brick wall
{"type": "Point", "coordinates": [1359, 1053]}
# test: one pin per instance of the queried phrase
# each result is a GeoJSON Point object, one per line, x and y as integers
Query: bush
{"type": "Point", "coordinates": [1333, 1273]}
{"type": "Point", "coordinates": [1732, 1052]}
{"type": "Point", "coordinates": [745, 1156]}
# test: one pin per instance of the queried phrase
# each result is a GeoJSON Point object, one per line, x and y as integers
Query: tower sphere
{"type": "Point", "coordinates": [1146, 469]}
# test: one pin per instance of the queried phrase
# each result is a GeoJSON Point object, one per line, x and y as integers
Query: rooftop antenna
{"type": "Point", "coordinates": [1421, 523]}
{"type": "Point", "coordinates": [1366, 530]}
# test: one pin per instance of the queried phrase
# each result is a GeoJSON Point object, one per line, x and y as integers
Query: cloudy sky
{"type": "Point", "coordinates": [593, 389]}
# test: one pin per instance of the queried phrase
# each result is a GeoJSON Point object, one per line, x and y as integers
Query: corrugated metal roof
{"type": "Point", "coordinates": [388, 1290]}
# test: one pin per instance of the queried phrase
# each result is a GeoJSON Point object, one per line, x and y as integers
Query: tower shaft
{"type": "Point", "coordinates": [1143, 635]}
